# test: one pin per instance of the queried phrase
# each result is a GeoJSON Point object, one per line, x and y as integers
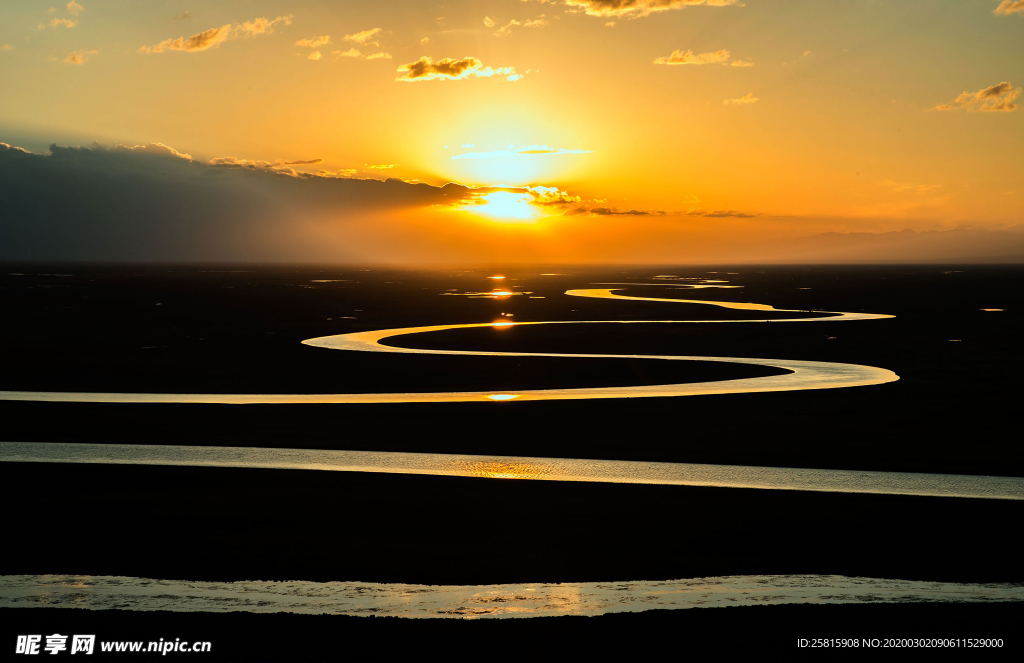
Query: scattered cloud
{"type": "Point", "coordinates": [488, 22]}
{"type": "Point", "coordinates": [78, 57]}
{"type": "Point", "coordinates": [66, 22]}
{"type": "Point", "coordinates": [526, 150]}
{"type": "Point", "coordinates": [451, 69]}
{"type": "Point", "coordinates": [182, 17]}
{"type": "Point", "coordinates": [687, 57]}
{"type": "Point", "coordinates": [807, 54]}
{"type": "Point", "coordinates": [74, 8]}
{"type": "Point", "coordinates": [610, 24]}
{"type": "Point", "coordinates": [200, 41]}
{"type": "Point", "coordinates": [354, 53]}
{"type": "Point", "coordinates": [638, 8]}
{"type": "Point", "coordinates": [214, 37]}
{"type": "Point", "coordinates": [506, 29]}
{"type": "Point", "coordinates": [382, 166]}
{"type": "Point", "coordinates": [721, 214]}
{"type": "Point", "coordinates": [314, 42]}
{"type": "Point", "coordinates": [365, 38]}
{"type": "Point", "coordinates": [424, 41]}
{"type": "Point", "coordinates": [995, 99]}
{"type": "Point", "coordinates": [262, 25]}
{"type": "Point", "coordinates": [468, 145]}
{"type": "Point", "coordinates": [748, 98]}
{"type": "Point", "coordinates": [6, 47]}
{"type": "Point", "coordinates": [1008, 7]}
{"type": "Point", "coordinates": [315, 55]}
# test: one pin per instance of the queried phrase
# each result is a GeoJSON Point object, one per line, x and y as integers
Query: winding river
{"type": "Point", "coordinates": [802, 374]}
{"type": "Point", "coordinates": [104, 592]}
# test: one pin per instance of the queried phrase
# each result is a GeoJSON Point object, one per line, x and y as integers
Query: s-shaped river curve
{"type": "Point", "coordinates": [802, 374]}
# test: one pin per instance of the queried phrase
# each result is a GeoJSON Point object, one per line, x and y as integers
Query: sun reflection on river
{"type": "Point", "coordinates": [504, 470]}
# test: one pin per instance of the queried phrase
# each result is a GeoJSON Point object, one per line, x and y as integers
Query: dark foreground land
{"type": "Point", "coordinates": [239, 330]}
{"type": "Point", "coordinates": [192, 329]}
{"type": "Point", "coordinates": [247, 524]}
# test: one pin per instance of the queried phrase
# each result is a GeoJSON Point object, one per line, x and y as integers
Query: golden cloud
{"type": "Point", "coordinates": [200, 41]}
{"type": "Point", "coordinates": [451, 69]}
{"type": "Point", "coordinates": [638, 8]}
{"type": "Point", "coordinates": [748, 98]}
{"type": "Point", "coordinates": [74, 8]}
{"type": "Point", "coordinates": [365, 37]}
{"type": "Point", "coordinates": [721, 214]}
{"type": "Point", "coordinates": [279, 166]}
{"type": "Point", "coordinates": [214, 37]}
{"type": "Point", "coordinates": [260, 26]}
{"type": "Point", "coordinates": [507, 28]}
{"type": "Point", "coordinates": [15, 148]}
{"type": "Point", "coordinates": [314, 42]}
{"type": "Point", "coordinates": [995, 99]}
{"type": "Point", "coordinates": [157, 149]}
{"type": "Point", "coordinates": [687, 57]}
{"type": "Point", "coordinates": [354, 53]}
{"type": "Point", "coordinates": [78, 57]}
{"type": "Point", "coordinates": [1008, 7]}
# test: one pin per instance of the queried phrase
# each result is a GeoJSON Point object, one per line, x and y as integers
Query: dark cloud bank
{"type": "Point", "coordinates": [152, 203]}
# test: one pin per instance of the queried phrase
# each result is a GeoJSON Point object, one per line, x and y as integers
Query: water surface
{"type": "Point", "coordinates": [524, 467]}
{"type": "Point", "coordinates": [477, 601]}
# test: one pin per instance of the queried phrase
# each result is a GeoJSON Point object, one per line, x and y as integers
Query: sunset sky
{"type": "Point", "coordinates": [605, 130]}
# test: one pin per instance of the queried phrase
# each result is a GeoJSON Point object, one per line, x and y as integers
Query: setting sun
{"type": "Point", "coordinates": [505, 206]}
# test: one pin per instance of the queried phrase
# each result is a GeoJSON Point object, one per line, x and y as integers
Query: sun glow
{"type": "Point", "coordinates": [505, 206]}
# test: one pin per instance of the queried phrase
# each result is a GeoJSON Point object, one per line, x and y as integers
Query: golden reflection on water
{"type": "Point", "coordinates": [505, 470]}
{"type": "Point", "coordinates": [482, 601]}
{"type": "Point", "coordinates": [493, 294]}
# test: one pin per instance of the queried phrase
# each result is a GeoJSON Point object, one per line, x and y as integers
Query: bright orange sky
{"type": "Point", "coordinates": [717, 123]}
